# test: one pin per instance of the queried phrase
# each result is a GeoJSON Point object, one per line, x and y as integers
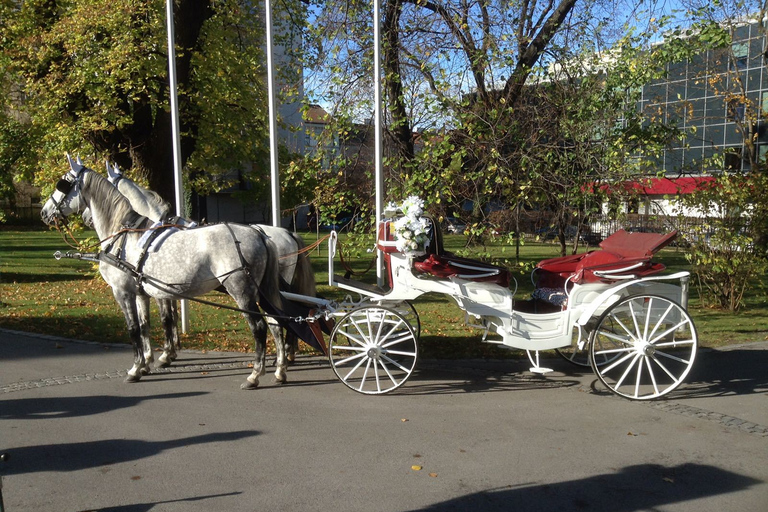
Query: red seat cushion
{"type": "Point", "coordinates": [452, 266]}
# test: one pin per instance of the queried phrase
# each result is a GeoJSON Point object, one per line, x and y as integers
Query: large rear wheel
{"type": "Point", "coordinates": [643, 347]}
{"type": "Point", "coordinates": [373, 349]}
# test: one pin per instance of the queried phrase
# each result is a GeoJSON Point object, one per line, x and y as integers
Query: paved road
{"type": "Point", "coordinates": [486, 434]}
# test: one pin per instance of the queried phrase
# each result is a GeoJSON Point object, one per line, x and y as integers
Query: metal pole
{"type": "Point", "coordinates": [179, 185]}
{"type": "Point", "coordinates": [273, 157]}
{"type": "Point", "coordinates": [378, 174]}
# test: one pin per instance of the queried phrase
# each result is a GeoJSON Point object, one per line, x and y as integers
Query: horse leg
{"type": "Point", "coordinates": [142, 308]}
{"type": "Point", "coordinates": [259, 330]}
{"type": "Point", "coordinates": [291, 346]}
{"type": "Point", "coordinates": [127, 303]}
{"type": "Point", "coordinates": [175, 312]}
{"type": "Point", "coordinates": [171, 333]}
{"type": "Point", "coordinates": [280, 347]}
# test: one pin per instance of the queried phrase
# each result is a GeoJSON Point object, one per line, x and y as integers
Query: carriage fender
{"type": "Point", "coordinates": [611, 295]}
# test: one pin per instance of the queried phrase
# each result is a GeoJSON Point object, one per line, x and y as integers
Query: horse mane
{"type": "Point", "coordinates": [114, 205]}
{"type": "Point", "coordinates": [155, 205]}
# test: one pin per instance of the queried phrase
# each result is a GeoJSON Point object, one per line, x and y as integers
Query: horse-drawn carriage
{"type": "Point", "coordinates": [611, 309]}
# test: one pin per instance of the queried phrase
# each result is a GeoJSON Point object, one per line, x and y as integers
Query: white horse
{"type": "Point", "coordinates": [187, 263]}
{"type": "Point", "coordinates": [296, 274]}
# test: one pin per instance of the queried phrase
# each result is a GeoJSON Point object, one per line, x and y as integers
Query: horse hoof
{"type": "Point", "coordinates": [145, 371]}
{"type": "Point", "coordinates": [132, 378]}
{"type": "Point", "coordinates": [249, 385]}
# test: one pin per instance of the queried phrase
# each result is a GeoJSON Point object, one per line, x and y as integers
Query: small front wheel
{"type": "Point", "coordinates": [373, 349]}
{"type": "Point", "coordinates": [643, 346]}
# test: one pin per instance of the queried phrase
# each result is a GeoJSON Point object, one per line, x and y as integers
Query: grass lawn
{"type": "Point", "coordinates": [68, 298]}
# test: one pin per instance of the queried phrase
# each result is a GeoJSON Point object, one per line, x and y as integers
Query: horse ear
{"type": "Point", "coordinates": [74, 167]}
{"type": "Point", "coordinates": [113, 172]}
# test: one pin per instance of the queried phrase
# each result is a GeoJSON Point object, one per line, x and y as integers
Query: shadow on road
{"type": "Point", "coordinates": [69, 407]}
{"type": "Point", "coordinates": [93, 454]}
{"type": "Point", "coordinates": [634, 488]}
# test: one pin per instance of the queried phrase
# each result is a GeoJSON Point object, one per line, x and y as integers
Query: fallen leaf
{"type": "Point", "coordinates": [404, 420]}
{"type": "Point", "coordinates": [667, 479]}
{"type": "Point", "coordinates": [203, 373]}
{"type": "Point", "coordinates": [417, 468]}
{"type": "Point", "coordinates": [433, 475]}
{"type": "Point", "coordinates": [135, 478]}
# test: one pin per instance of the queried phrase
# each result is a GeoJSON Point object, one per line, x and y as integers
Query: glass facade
{"type": "Point", "coordinates": [718, 99]}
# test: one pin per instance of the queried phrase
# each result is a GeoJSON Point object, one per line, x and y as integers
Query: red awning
{"type": "Point", "coordinates": [661, 186]}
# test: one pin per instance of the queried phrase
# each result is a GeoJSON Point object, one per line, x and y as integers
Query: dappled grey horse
{"type": "Point", "coordinates": [296, 274]}
{"type": "Point", "coordinates": [185, 263]}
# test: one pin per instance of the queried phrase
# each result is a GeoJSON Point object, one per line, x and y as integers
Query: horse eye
{"type": "Point", "coordinates": [64, 186]}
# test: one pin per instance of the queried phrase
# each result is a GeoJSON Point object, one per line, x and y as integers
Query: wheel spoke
{"type": "Point", "coordinates": [675, 343]}
{"type": "Point", "coordinates": [639, 376]}
{"type": "Point", "coordinates": [670, 356]}
{"type": "Point", "coordinates": [669, 331]}
{"type": "Point", "coordinates": [653, 377]}
{"type": "Point", "coordinates": [669, 374]}
{"type": "Point", "coordinates": [634, 319]}
{"type": "Point", "coordinates": [616, 337]}
{"type": "Point", "coordinates": [626, 372]}
{"type": "Point", "coordinates": [616, 363]}
{"type": "Point", "coordinates": [389, 374]}
{"type": "Point", "coordinates": [365, 375]}
{"type": "Point", "coordinates": [658, 323]}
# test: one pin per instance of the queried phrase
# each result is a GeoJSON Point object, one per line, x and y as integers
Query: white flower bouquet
{"type": "Point", "coordinates": [411, 230]}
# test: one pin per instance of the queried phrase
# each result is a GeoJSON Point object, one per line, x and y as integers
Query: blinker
{"type": "Point", "coordinates": [64, 186]}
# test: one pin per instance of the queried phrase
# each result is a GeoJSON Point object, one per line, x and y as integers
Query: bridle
{"type": "Point", "coordinates": [73, 179]}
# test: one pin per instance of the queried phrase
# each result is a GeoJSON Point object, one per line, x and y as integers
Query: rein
{"type": "Point", "coordinates": [120, 264]}
{"type": "Point", "coordinates": [310, 247]}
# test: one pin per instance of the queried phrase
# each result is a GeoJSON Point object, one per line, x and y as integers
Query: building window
{"type": "Point", "coordinates": [740, 55]}
{"type": "Point", "coordinates": [736, 110]}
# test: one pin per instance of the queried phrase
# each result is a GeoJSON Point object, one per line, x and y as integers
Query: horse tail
{"type": "Point", "coordinates": [304, 276]}
{"type": "Point", "coordinates": [270, 282]}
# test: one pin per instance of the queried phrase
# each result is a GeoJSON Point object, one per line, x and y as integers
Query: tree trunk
{"type": "Point", "coordinates": [151, 138]}
{"type": "Point", "coordinates": [401, 131]}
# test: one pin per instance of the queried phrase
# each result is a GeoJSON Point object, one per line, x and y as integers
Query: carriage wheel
{"type": "Point", "coordinates": [373, 349]}
{"type": "Point", "coordinates": [409, 312]}
{"type": "Point", "coordinates": [580, 356]}
{"type": "Point", "coordinates": [572, 353]}
{"type": "Point", "coordinates": [650, 344]}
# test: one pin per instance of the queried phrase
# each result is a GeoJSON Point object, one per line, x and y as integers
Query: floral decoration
{"type": "Point", "coordinates": [411, 230]}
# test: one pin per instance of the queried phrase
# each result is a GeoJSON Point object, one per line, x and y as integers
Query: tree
{"type": "Point", "coordinates": [93, 74]}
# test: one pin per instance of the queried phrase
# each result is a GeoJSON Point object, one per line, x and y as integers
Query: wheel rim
{"type": "Point", "coordinates": [373, 350]}
{"type": "Point", "coordinates": [643, 347]}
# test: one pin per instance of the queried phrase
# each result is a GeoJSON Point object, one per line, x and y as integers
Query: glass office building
{"type": "Point", "coordinates": [718, 98]}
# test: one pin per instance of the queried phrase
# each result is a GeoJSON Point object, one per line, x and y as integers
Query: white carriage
{"type": "Point", "coordinates": [611, 309]}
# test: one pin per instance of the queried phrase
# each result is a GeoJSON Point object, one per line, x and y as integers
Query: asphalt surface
{"type": "Point", "coordinates": [460, 435]}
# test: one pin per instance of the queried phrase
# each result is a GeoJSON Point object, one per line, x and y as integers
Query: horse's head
{"type": "Point", "coordinates": [66, 198]}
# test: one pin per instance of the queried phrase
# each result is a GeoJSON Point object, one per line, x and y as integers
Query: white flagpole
{"type": "Point", "coordinates": [179, 185]}
{"type": "Point", "coordinates": [378, 174]}
{"type": "Point", "coordinates": [273, 157]}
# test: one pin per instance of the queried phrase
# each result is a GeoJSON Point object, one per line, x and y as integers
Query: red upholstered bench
{"type": "Point", "coordinates": [624, 255]}
{"type": "Point", "coordinates": [453, 266]}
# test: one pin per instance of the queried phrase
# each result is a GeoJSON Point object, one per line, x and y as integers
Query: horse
{"type": "Point", "coordinates": [187, 263]}
{"type": "Point", "coordinates": [296, 274]}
